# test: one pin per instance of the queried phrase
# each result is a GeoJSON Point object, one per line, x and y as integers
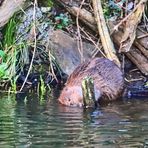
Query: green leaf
{"type": "Point", "coordinates": [2, 54]}
{"type": "Point", "coordinates": [3, 67]}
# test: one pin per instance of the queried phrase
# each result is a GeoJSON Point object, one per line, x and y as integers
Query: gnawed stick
{"type": "Point", "coordinates": [88, 92]}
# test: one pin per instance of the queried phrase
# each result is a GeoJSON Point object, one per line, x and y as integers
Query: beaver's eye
{"type": "Point", "coordinates": [69, 99]}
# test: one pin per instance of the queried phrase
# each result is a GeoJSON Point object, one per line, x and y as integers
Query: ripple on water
{"type": "Point", "coordinates": [35, 124]}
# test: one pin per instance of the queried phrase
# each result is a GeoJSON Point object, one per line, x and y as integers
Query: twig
{"type": "Point", "coordinates": [89, 38]}
{"type": "Point", "coordinates": [79, 41]}
{"type": "Point", "coordinates": [35, 43]}
{"type": "Point", "coordinates": [142, 36]}
{"type": "Point", "coordinates": [51, 66]}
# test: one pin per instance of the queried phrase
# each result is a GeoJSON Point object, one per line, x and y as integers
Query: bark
{"type": "Point", "coordinates": [88, 92]}
{"type": "Point", "coordinates": [135, 55]}
{"type": "Point", "coordinates": [103, 32]}
{"type": "Point", "coordinates": [84, 15]}
{"type": "Point", "coordinates": [131, 22]}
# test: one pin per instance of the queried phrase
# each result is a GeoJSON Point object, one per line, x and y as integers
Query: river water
{"type": "Point", "coordinates": [42, 122]}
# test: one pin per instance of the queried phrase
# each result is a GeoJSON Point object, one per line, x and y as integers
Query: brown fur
{"type": "Point", "coordinates": [108, 81]}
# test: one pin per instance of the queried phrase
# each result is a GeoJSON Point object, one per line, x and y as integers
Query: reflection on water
{"type": "Point", "coordinates": [39, 123]}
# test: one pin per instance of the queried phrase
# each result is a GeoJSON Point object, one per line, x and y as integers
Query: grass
{"type": "Point", "coordinates": [47, 3]}
{"type": "Point", "coordinates": [10, 53]}
{"type": "Point", "coordinates": [14, 54]}
{"type": "Point", "coordinates": [7, 45]}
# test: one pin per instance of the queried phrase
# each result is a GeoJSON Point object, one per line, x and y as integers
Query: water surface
{"type": "Point", "coordinates": [35, 122]}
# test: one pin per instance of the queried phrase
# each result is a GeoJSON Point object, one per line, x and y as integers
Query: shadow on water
{"type": "Point", "coordinates": [35, 122]}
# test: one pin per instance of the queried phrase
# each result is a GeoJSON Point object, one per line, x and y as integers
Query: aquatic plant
{"type": "Point", "coordinates": [42, 86]}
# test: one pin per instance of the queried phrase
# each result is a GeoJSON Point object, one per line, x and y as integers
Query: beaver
{"type": "Point", "coordinates": [108, 82]}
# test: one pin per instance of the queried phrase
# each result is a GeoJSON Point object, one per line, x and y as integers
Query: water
{"type": "Point", "coordinates": [40, 123]}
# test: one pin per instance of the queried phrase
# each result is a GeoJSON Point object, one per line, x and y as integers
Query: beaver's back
{"type": "Point", "coordinates": [108, 78]}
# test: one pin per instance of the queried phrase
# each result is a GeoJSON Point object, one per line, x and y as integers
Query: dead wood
{"type": "Point", "coordinates": [130, 26]}
{"type": "Point", "coordinates": [84, 15]}
{"type": "Point", "coordinates": [141, 48]}
{"type": "Point", "coordinates": [8, 8]}
{"type": "Point", "coordinates": [135, 55]}
{"type": "Point", "coordinates": [103, 32]}
{"type": "Point", "coordinates": [138, 53]}
{"type": "Point", "coordinates": [142, 39]}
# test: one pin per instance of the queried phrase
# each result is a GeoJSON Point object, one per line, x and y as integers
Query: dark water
{"type": "Point", "coordinates": [42, 122]}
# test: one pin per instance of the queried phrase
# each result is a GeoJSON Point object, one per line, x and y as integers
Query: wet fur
{"type": "Point", "coordinates": [108, 80]}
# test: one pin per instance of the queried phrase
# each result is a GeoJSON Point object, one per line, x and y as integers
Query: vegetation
{"type": "Point", "coordinates": [62, 21]}
{"type": "Point", "coordinates": [110, 8]}
{"type": "Point", "coordinates": [14, 54]}
{"type": "Point", "coordinates": [9, 51]}
{"type": "Point", "coordinates": [46, 3]}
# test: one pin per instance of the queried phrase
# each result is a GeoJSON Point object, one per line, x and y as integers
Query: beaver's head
{"type": "Point", "coordinates": [72, 96]}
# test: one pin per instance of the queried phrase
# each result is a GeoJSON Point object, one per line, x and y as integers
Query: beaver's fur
{"type": "Point", "coordinates": [108, 82]}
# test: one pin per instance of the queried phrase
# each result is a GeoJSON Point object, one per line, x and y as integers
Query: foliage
{"type": "Point", "coordinates": [62, 21]}
{"type": "Point", "coordinates": [112, 8]}
{"type": "Point", "coordinates": [14, 49]}
{"type": "Point", "coordinates": [42, 86]}
{"type": "Point", "coordinates": [46, 3]}
{"type": "Point", "coordinates": [13, 85]}
{"type": "Point", "coordinates": [9, 52]}
{"type": "Point", "coordinates": [2, 55]}
{"type": "Point", "coordinates": [9, 32]}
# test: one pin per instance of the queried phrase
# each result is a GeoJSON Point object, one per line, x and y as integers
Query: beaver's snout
{"type": "Point", "coordinates": [72, 96]}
